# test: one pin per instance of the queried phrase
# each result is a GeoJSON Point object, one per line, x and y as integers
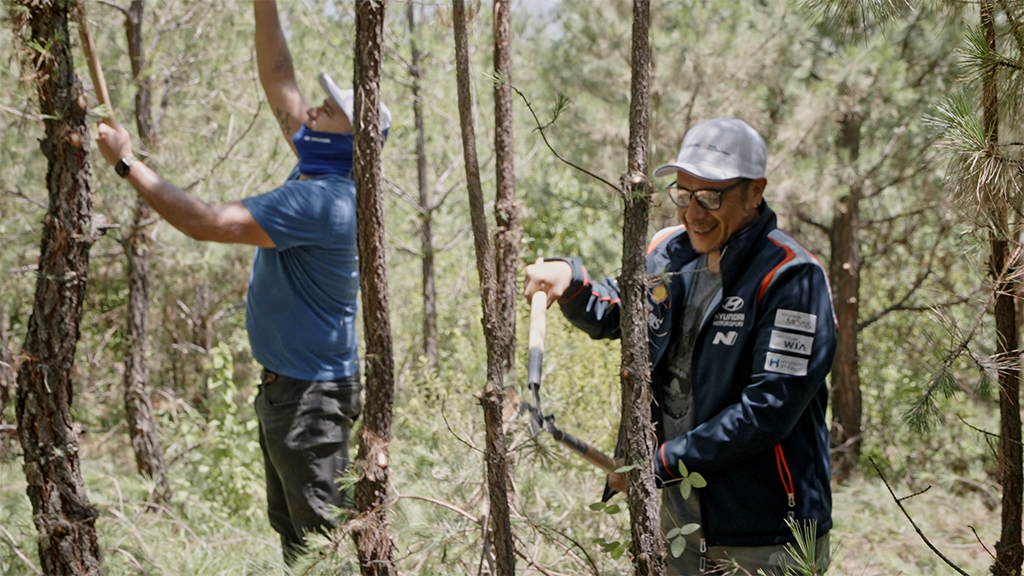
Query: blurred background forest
{"type": "Point", "coordinates": [853, 127]}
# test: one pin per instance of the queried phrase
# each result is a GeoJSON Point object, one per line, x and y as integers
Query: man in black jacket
{"type": "Point", "coordinates": [742, 335]}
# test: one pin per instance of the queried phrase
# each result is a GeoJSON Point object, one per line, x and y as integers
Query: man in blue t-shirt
{"type": "Point", "coordinates": [301, 304]}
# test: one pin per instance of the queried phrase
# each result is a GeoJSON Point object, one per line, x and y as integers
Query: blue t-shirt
{"type": "Point", "coordinates": [301, 308]}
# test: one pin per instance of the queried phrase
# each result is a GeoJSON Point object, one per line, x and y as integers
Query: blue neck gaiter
{"type": "Point", "coordinates": [323, 152]}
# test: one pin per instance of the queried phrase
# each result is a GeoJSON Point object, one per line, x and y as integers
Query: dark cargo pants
{"type": "Point", "coordinates": [304, 432]}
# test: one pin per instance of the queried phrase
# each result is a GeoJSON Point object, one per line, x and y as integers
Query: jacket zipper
{"type": "Point", "coordinates": [787, 481]}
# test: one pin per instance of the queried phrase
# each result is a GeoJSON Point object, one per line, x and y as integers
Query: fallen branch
{"type": "Point", "coordinates": [989, 552]}
{"type": "Point", "coordinates": [912, 523]}
{"type": "Point", "coordinates": [9, 540]}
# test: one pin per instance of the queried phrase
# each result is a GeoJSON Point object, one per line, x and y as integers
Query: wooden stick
{"type": "Point", "coordinates": [98, 82]}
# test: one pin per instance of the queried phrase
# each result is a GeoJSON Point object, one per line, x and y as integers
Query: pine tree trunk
{"type": "Point", "coordinates": [642, 496]}
{"type": "Point", "coordinates": [426, 205]}
{"type": "Point", "coordinates": [371, 527]}
{"type": "Point", "coordinates": [1009, 551]}
{"type": "Point", "coordinates": [497, 358]}
{"type": "Point", "coordinates": [142, 430]}
{"type": "Point", "coordinates": [60, 507]}
{"type": "Point", "coordinates": [507, 238]}
{"type": "Point", "coordinates": [845, 271]}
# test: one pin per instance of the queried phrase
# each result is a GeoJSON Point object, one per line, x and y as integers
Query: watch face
{"type": "Point", "coordinates": [123, 166]}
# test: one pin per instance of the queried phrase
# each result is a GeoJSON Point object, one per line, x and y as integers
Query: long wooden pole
{"type": "Point", "coordinates": [95, 70]}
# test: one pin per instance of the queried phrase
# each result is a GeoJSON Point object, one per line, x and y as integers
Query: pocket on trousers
{"type": "Point", "coordinates": [326, 414]}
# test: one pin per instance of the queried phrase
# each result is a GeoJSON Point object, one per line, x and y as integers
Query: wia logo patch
{"type": "Point", "coordinates": [791, 342]}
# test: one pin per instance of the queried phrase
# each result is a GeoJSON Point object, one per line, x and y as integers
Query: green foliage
{"type": "Point", "coordinates": [219, 449]}
{"type": "Point", "coordinates": [762, 61]}
{"type": "Point", "coordinates": [802, 558]}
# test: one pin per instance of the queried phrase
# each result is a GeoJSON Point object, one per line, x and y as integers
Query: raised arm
{"type": "Point", "coordinates": [277, 74]}
{"type": "Point", "coordinates": [230, 223]}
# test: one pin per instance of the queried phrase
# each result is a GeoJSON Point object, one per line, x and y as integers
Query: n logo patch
{"type": "Point", "coordinates": [727, 338]}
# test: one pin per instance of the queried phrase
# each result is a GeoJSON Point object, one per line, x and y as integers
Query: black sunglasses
{"type": "Point", "coordinates": [707, 199]}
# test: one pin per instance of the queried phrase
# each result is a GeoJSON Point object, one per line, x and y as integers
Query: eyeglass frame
{"type": "Point", "coordinates": [693, 194]}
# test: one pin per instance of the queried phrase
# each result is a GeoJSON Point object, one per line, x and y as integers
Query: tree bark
{"type": "Point", "coordinates": [648, 547]}
{"type": "Point", "coordinates": [1009, 549]}
{"type": "Point", "coordinates": [370, 528]}
{"type": "Point", "coordinates": [426, 203]}
{"type": "Point", "coordinates": [508, 233]}
{"type": "Point", "coordinates": [507, 237]}
{"type": "Point", "coordinates": [142, 429]}
{"type": "Point", "coordinates": [845, 267]}
{"type": "Point", "coordinates": [496, 326]}
{"type": "Point", "coordinates": [60, 507]}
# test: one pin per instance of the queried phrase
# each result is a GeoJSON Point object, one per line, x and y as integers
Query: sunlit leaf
{"type": "Point", "coordinates": [689, 529]}
{"type": "Point", "coordinates": [678, 547]}
{"type": "Point", "coordinates": [697, 480]}
{"type": "Point", "coordinates": [685, 487]}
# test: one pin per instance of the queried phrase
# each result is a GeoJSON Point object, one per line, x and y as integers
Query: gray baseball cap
{"type": "Point", "coordinates": [720, 149]}
{"type": "Point", "coordinates": [347, 98]}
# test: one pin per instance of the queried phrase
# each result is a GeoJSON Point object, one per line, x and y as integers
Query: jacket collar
{"type": "Point", "coordinates": [739, 251]}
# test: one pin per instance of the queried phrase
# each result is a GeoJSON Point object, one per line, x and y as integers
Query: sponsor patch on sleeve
{"type": "Point", "coordinates": [791, 342]}
{"type": "Point", "coordinates": [782, 364]}
{"type": "Point", "coordinates": [794, 320]}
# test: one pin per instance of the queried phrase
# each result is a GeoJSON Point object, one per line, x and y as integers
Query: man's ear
{"type": "Point", "coordinates": [756, 190]}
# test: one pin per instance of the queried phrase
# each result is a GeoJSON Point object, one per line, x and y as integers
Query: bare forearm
{"type": "Point", "coordinates": [272, 55]}
{"type": "Point", "coordinates": [180, 209]}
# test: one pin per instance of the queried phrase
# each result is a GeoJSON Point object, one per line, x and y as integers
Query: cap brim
{"type": "Point", "coordinates": [704, 172]}
{"type": "Point", "coordinates": [346, 100]}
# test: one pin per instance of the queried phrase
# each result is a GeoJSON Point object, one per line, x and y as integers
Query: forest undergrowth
{"type": "Point", "coordinates": [217, 523]}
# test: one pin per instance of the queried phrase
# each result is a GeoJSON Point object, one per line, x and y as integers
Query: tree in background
{"type": "Point", "coordinates": [875, 155]}
{"type": "Point", "coordinates": [639, 443]}
{"type": "Point", "coordinates": [63, 515]}
{"type": "Point", "coordinates": [370, 528]}
{"type": "Point", "coordinates": [7, 371]}
{"type": "Point", "coordinates": [137, 245]}
{"type": "Point", "coordinates": [499, 332]}
{"type": "Point", "coordinates": [986, 174]}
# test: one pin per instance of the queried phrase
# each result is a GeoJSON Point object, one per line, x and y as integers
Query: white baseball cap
{"type": "Point", "coordinates": [720, 149]}
{"type": "Point", "coordinates": [346, 99]}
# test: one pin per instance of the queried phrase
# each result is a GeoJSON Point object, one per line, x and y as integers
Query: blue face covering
{"type": "Point", "coordinates": [323, 152]}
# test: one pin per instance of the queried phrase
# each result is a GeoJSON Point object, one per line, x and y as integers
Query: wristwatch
{"type": "Point", "coordinates": [124, 165]}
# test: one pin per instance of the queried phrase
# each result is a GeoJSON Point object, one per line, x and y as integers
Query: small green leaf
{"type": "Point", "coordinates": [678, 547]}
{"type": "Point", "coordinates": [684, 488]}
{"type": "Point", "coordinates": [689, 529]}
{"type": "Point", "coordinates": [597, 506]}
{"type": "Point", "coordinates": [697, 480]}
{"type": "Point", "coordinates": [618, 551]}
{"type": "Point", "coordinates": [625, 469]}
{"type": "Point", "coordinates": [672, 533]}
{"type": "Point", "coordinates": [682, 469]}
{"type": "Point", "coordinates": [599, 540]}
{"type": "Point", "coordinates": [613, 509]}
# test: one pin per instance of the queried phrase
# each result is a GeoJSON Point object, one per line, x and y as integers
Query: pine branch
{"type": "Point", "coordinates": [914, 524]}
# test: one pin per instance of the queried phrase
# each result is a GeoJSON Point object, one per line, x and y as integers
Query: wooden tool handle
{"type": "Point", "coordinates": [98, 82]}
{"type": "Point", "coordinates": [588, 452]}
{"type": "Point", "coordinates": [538, 319]}
{"type": "Point", "coordinates": [538, 328]}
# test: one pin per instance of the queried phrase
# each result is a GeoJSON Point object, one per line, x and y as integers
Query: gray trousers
{"type": "Point", "coordinates": [304, 433]}
{"type": "Point", "coordinates": [733, 560]}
